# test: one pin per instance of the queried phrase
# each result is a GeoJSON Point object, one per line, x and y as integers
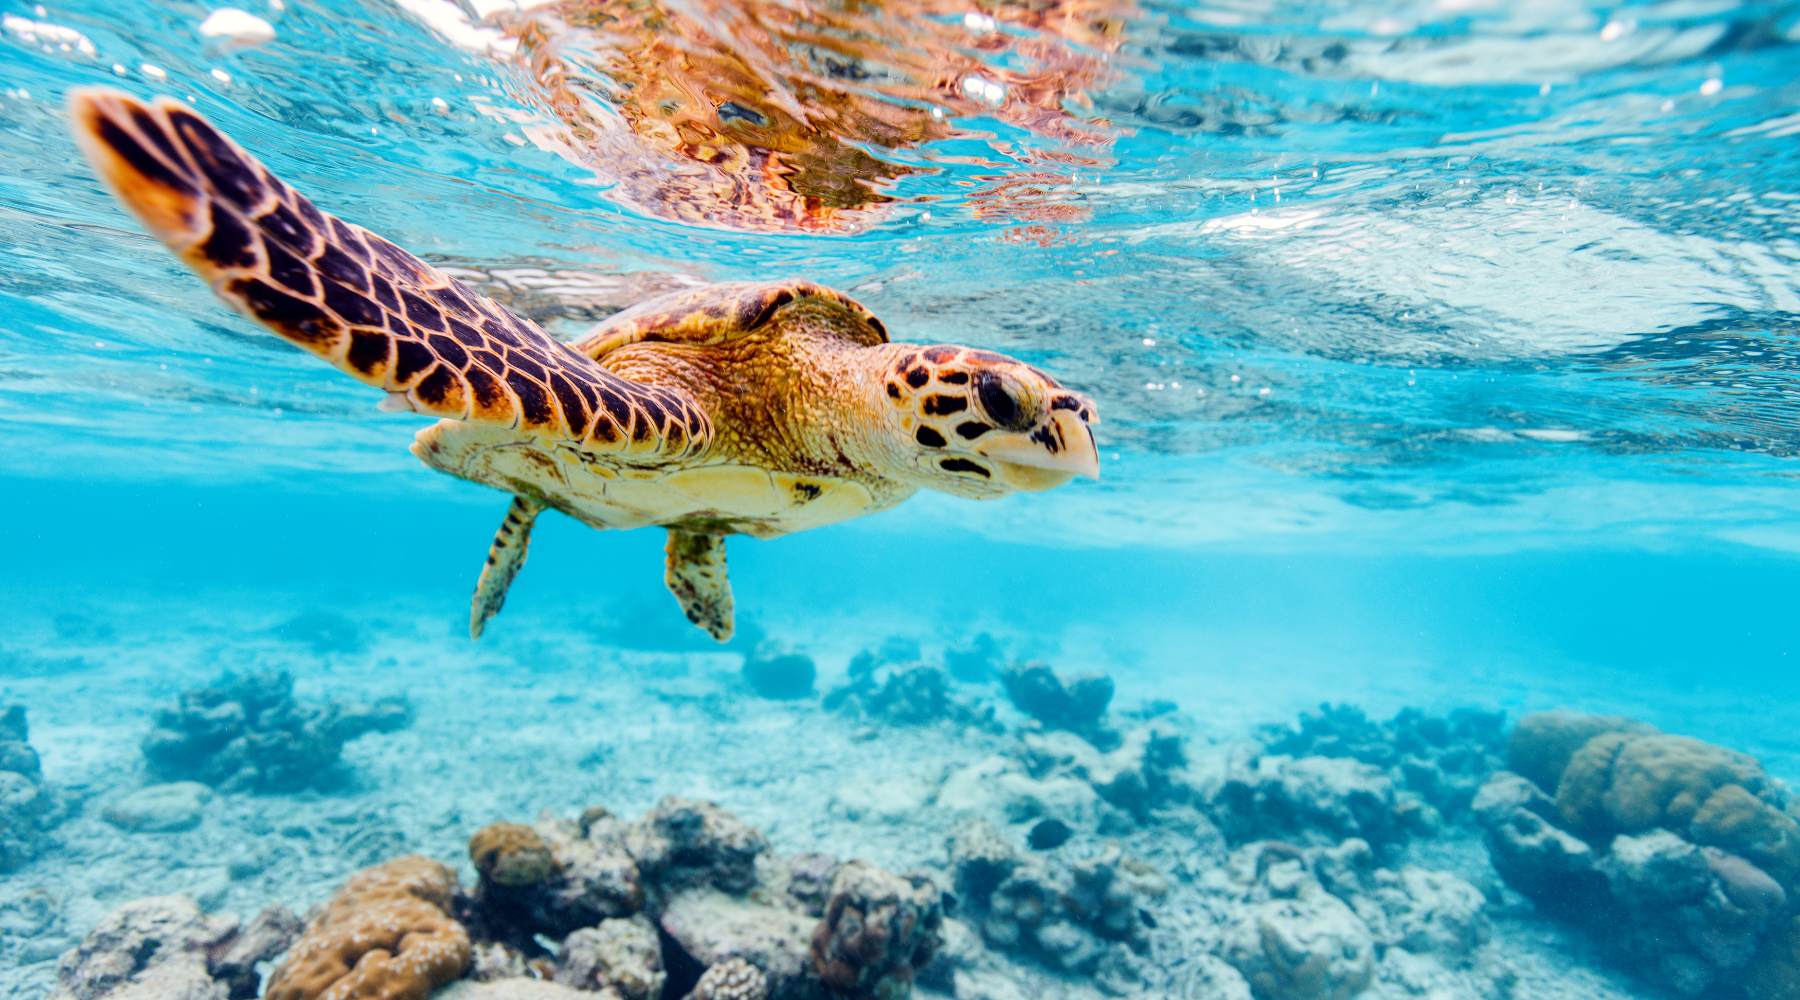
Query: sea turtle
{"type": "Point", "coordinates": [757, 409]}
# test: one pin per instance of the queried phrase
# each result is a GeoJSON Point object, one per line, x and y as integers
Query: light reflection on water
{"type": "Point", "coordinates": [1527, 268]}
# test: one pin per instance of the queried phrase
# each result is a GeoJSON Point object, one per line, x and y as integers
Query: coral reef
{"type": "Point", "coordinates": [27, 805]}
{"type": "Point", "coordinates": [1310, 924]}
{"type": "Point", "coordinates": [773, 671]}
{"type": "Point", "coordinates": [386, 932]}
{"type": "Point", "coordinates": [689, 901]}
{"type": "Point", "coordinates": [1075, 703]}
{"type": "Point", "coordinates": [164, 948]}
{"type": "Point", "coordinates": [250, 734]}
{"type": "Point", "coordinates": [975, 661]}
{"type": "Point", "coordinates": [1678, 856]}
{"type": "Point", "coordinates": [621, 954]}
{"type": "Point", "coordinates": [907, 694]}
{"type": "Point", "coordinates": [168, 808]}
{"type": "Point", "coordinates": [879, 929]}
{"type": "Point", "coordinates": [1083, 915]}
{"type": "Point", "coordinates": [732, 979]}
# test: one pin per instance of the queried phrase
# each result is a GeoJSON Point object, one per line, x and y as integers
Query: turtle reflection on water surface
{"type": "Point", "coordinates": [734, 409]}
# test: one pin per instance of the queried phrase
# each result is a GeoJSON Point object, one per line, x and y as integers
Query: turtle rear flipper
{"type": "Point", "coordinates": [375, 311]}
{"type": "Point", "coordinates": [506, 556]}
{"type": "Point", "coordinates": [696, 576]}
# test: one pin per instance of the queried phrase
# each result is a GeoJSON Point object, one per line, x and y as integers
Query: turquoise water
{"type": "Point", "coordinates": [1445, 353]}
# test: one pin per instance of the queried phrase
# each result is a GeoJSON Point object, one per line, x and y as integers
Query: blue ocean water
{"type": "Point", "coordinates": [1445, 354]}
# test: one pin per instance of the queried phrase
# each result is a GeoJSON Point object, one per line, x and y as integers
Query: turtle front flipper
{"type": "Point", "coordinates": [505, 558]}
{"type": "Point", "coordinates": [696, 576]}
{"type": "Point", "coordinates": [375, 311]}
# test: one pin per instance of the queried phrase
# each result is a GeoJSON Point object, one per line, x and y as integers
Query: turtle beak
{"type": "Point", "coordinates": [1062, 443]}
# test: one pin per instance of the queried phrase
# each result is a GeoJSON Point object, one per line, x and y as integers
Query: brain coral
{"type": "Point", "coordinates": [385, 933]}
{"type": "Point", "coordinates": [1543, 743]}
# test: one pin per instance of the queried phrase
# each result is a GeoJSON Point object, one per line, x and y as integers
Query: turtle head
{"type": "Point", "coordinates": [982, 424]}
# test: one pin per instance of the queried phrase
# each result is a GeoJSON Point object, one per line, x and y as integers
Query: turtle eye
{"type": "Point", "coordinates": [996, 399]}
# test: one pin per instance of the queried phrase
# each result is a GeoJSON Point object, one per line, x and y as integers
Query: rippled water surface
{"type": "Point", "coordinates": [1450, 271]}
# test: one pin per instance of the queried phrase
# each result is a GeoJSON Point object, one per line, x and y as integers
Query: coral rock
{"type": "Point", "coordinates": [980, 858]}
{"type": "Point", "coordinates": [22, 804]}
{"type": "Point", "coordinates": [622, 954]}
{"type": "Point", "coordinates": [594, 876]}
{"type": "Point", "coordinates": [778, 673]}
{"type": "Point", "coordinates": [732, 979]}
{"type": "Point", "coordinates": [1338, 796]}
{"type": "Point", "coordinates": [148, 949]}
{"type": "Point", "coordinates": [249, 734]}
{"type": "Point", "coordinates": [1077, 703]}
{"type": "Point", "coordinates": [712, 927]}
{"type": "Point", "coordinates": [683, 843]}
{"type": "Point", "coordinates": [879, 929]}
{"type": "Point", "coordinates": [387, 932]}
{"type": "Point", "coordinates": [159, 808]}
{"type": "Point", "coordinates": [1541, 861]}
{"type": "Point", "coordinates": [267, 935]}
{"type": "Point", "coordinates": [1775, 973]}
{"type": "Point", "coordinates": [1310, 947]}
{"type": "Point", "coordinates": [510, 854]}
{"type": "Point", "coordinates": [517, 989]}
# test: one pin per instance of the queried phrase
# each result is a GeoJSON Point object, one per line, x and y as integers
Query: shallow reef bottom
{"type": "Point", "coordinates": [961, 826]}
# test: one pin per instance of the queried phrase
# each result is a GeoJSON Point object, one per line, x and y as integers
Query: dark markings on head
{"type": "Point", "coordinates": [288, 269]}
{"type": "Point", "coordinates": [939, 355]}
{"type": "Point", "coordinates": [954, 378]}
{"type": "Point", "coordinates": [969, 430]}
{"type": "Point", "coordinates": [229, 245]}
{"type": "Point", "coordinates": [229, 174]}
{"type": "Point", "coordinates": [301, 320]}
{"type": "Point", "coordinates": [1044, 436]}
{"type": "Point", "coordinates": [937, 404]}
{"type": "Point", "coordinates": [963, 465]}
{"type": "Point", "coordinates": [1066, 403]}
{"type": "Point", "coordinates": [905, 362]}
{"type": "Point", "coordinates": [762, 315]}
{"type": "Point", "coordinates": [918, 377]}
{"type": "Point", "coordinates": [996, 400]}
{"type": "Point", "coordinates": [410, 358]}
{"type": "Point", "coordinates": [368, 350]}
{"type": "Point", "coordinates": [808, 492]}
{"type": "Point", "coordinates": [929, 438]}
{"type": "Point", "coordinates": [893, 391]}
{"type": "Point", "coordinates": [533, 400]}
{"type": "Point", "coordinates": [485, 388]}
{"type": "Point", "coordinates": [140, 158]}
{"type": "Point", "coordinates": [1040, 373]}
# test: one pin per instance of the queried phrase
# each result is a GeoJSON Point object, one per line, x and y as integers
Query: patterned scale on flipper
{"type": "Point", "coordinates": [375, 311]}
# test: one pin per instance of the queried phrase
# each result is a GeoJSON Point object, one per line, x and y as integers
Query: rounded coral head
{"type": "Point", "coordinates": [510, 854]}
